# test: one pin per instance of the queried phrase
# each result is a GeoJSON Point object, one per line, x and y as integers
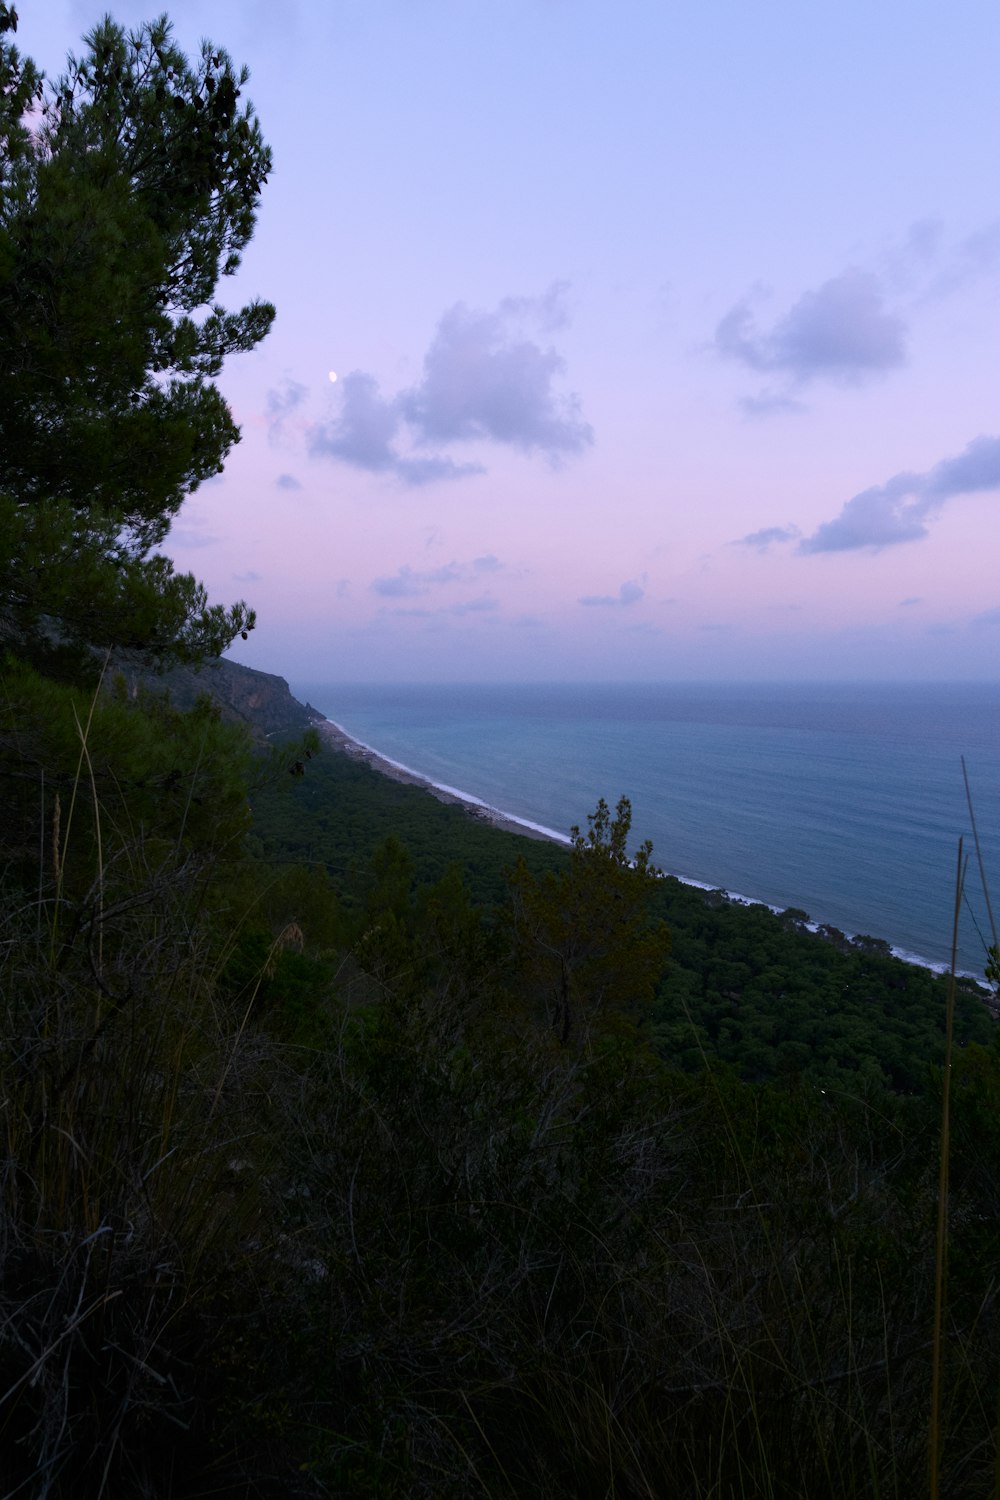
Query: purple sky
{"type": "Point", "coordinates": [665, 338]}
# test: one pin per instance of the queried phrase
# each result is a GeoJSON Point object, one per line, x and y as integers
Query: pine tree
{"type": "Point", "coordinates": [127, 189]}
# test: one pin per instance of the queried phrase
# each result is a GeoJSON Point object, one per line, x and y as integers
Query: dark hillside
{"type": "Point", "coordinates": [259, 700]}
{"type": "Point", "coordinates": [339, 1163]}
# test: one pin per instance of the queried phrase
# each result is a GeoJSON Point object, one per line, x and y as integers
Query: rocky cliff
{"type": "Point", "coordinates": [258, 699]}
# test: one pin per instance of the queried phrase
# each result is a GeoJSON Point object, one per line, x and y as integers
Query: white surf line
{"type": "Point", "coordinates": [735, 897]}
{"type": "Point", "coordinates": [452, 791]}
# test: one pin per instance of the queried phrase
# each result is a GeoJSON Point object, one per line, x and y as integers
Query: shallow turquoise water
{"type": "Point", "coordinates": [845, 800]}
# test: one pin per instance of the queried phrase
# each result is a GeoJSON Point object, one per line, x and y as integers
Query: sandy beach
{"type": "Point", "coordinates": [335, 738]}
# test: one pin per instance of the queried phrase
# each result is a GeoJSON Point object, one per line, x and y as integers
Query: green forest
{"type": "Point", "coordinates": [350, 1146]}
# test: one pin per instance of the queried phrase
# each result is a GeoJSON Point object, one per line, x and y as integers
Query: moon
{"type": "Point", "coordinates": [332, 376]}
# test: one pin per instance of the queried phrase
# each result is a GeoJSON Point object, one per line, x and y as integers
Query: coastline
{"type": "Point", "coordinates": [336, 738]}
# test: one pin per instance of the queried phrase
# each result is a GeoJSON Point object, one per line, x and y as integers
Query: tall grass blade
{"type": "Point", "coordinates": [941, 1251]}
{"type": "Point", "coordinates": [979, 854]}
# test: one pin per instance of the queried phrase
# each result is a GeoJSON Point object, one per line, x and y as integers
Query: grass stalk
{"type": "Point", "coordinates": [979, 853]}
{"type": "Point", "coordinates": [941, 1246]}
{"type": "Point", "coordinates": [61, 854]}
{"type": "Point", "coordinates": [85, 752]}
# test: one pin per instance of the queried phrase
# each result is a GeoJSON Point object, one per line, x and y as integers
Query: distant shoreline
{"type": "Point", "coordinates": [338, 739]}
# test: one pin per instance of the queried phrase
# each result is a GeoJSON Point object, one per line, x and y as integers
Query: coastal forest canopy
{"type": "Point", "coordinates": [128, 188]}
{"type": "Point", "coordinates": [348, 1146]}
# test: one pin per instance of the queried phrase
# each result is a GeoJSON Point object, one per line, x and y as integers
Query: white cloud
{"type": "Point", "coordinates": [841, 331]}
{"type": "Point", "coordinates": [936, 270]}
{"type": "Point", "coordinates": [483, 604]}
{"type": "Point", "coordinates": [282, 400]}
{"type": "Point", "coordinates": [485, 378]}
{"type": "Point", "coordinates": [409, 582]}
{"type": "Point", "coordinates": [764, 539]}
{"type": "Point", "coordinates": [898, 511]}
{"type": "Point", "coordinates": [630, 592]}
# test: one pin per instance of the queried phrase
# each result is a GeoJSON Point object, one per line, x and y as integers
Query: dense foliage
{"type": "Point", "coordinates": [127, 188]}
{"type": "Point", "coordinates": [308, 1188]}
{"type": "Point", "coordinates": [741, 985]}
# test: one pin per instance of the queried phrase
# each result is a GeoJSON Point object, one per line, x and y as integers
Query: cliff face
{"type": "Point", "coordinates": [258, 699]}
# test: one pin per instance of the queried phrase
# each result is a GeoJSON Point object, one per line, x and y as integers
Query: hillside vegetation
{"type": "Point", "coordinates": [352, 1147]}
{"type": "Point", "coordinates": [742, 985]}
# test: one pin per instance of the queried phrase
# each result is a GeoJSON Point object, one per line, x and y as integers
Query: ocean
{"type": "Point", "coordinates": [845, 800]}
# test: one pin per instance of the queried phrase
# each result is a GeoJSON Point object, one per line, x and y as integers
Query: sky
{"type": "Point", "coordinates": [665, 338]}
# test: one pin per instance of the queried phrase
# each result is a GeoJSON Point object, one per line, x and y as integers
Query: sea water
{"type": "Point", "coordinates": [844, 800]}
